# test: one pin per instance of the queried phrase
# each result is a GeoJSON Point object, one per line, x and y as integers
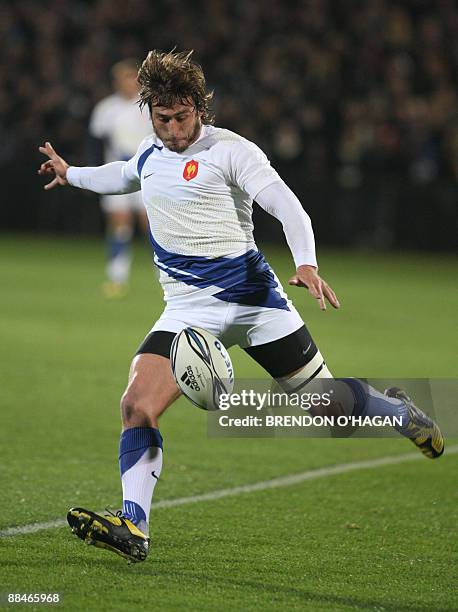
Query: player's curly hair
{"type": "Point", "coordinates": [168, 78]}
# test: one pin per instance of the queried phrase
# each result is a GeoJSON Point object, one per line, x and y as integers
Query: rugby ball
{"type": "Point", "coordinates": [201, 366]}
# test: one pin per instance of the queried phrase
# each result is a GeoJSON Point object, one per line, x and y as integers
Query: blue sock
{"type": "Point", "coordinates": [119, 255]}
{"type": "Point", "coordinates": [140, 463]}
{"type": "Point", "coordinates": [370, 402]}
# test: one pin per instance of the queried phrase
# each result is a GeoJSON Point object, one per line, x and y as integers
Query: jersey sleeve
{"type": "Point", "coordinates": [110, 179]}
{"type": "Point", "coordinates": [279, 201]}
{"type": "Point", "coordinates": [113, 178]}
{"type": "Point", "coordinates": [250, 169]}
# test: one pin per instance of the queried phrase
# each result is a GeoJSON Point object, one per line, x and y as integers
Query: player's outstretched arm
{"type": "Point", "coordinates": [55, 166]}
{"type": "Point", "coordinates": [252, 172]}
{"type": "Point", "coordinates": [279, 201]}
{"type": "Point", "coordinates": [110, 179]}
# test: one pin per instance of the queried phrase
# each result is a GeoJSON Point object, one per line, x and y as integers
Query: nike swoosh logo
{"type": "Point", "coordinates": [154, 475]}
{"type": "Point", "coordinates": [305, 351]}
{"type": "Point", "coordinates": [145, 176]}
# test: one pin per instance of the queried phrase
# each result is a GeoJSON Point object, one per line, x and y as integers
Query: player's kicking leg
{"type": "Point", "coordinates": [294, 361]}
{"type": "Point", "coordinates": [150, 391]}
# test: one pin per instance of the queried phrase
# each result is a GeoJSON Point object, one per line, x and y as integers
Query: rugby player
{"type": "Point", "coordinates": [116, 128]}
{"type": "Point", "coordinates": [198, 184]}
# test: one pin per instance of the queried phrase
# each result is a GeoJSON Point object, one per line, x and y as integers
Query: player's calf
{"type": "Point", "coordinates": [353, 397]}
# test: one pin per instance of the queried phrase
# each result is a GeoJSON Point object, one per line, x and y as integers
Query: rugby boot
{"type": "Point", "coordinates": [421, 429]}
{"type": "Point", "coordinates": [115, 533]}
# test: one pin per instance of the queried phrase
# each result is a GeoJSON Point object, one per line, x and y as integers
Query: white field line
{"type": "Point", "coordinates": [275, 483]}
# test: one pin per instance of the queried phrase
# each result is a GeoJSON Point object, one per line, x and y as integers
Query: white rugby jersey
{"type": "Point", "coordinates": [121, 124]}
{"type": "Point", "coordinates": [199, 205]}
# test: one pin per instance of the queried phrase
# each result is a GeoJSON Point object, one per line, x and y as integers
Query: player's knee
{"type": "Point", "coordinates": [315, 377]}
{"type": "Point", "coordinates": [315, 369]}
{"type": "Point", "coordinates": [135, 409]}
{"type": "Point", "coordinates": [312, 378]}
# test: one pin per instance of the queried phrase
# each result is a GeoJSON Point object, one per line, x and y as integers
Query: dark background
{"type": "Point", "coordinates": [355, 103]}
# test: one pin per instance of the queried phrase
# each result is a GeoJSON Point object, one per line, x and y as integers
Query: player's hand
{"type": "Point", "coordinates": [55, 166]}
{"type": "Point", "coordinates": [307, 276]}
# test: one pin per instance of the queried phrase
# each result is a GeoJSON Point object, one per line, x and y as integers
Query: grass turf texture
{"type": "Point", "coordinates": [66, 355]}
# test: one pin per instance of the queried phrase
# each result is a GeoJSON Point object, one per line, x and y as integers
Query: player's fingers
{"type": "Point", "coordinates": [293, 281]}
{"type": "Point", "coordinates": [315, 288]}
{"type": "Point", "coordinates": [50, 150]}
{"type": "Point", "coordinates": [318, 287]}
{"type": "Point", "coordinates": [331, 296]}
{"type": "Point", "coordinates": [46, 167]}
{"type": "Point", "coordinates": [43, 150]}
{"type": "Point", "coordinates": [320, 297]}
{"type": "Point", "coordinates": [52, 184]}
{"type": "Point", "coordinates": [316, 291]}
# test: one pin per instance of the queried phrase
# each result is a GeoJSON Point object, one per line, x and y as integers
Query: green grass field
{"type": "Point", "coordinates": [380, 538]}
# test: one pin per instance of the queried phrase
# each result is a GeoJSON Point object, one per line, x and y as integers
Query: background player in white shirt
{"type": "Point", "coordinates": [198, 184]}
{"type": "Point", "coordinates": [116, 128]}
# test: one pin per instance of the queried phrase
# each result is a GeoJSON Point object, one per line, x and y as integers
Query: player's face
{"type": "Point", "coordinates": [125, 83]}
{"type": "Point", "coordinates": [177, 126]}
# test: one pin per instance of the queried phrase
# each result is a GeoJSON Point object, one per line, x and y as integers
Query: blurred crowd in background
{"type": "Point", "coordinates": [354, 101]}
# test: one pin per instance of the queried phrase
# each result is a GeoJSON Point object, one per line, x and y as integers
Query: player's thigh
{"type": "Point", "coordinates": [120, 218]}
{"type": "Point", "coordinates": [150, 390]}
{"type": "Point", "coordinates": [287, 355]}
